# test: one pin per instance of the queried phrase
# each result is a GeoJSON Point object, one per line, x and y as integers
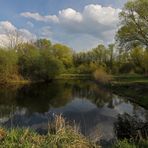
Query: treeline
{"type": "Point", "coordinates": [112, 60]}
{"type": "Point", "coordinates": [42, 61]}
{"type": "Point", "coordinates": [38, 61]}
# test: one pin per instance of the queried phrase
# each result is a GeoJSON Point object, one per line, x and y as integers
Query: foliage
{"type": "Point", "coordinates": [124, 144]}
{"type": "Point", "coordinates": [93, 59]}
{"type": "Point", "coordinates": [134, 24]}
{"type": "Point", "coordinates": [43, 44]}
{"type": "Point", "coordinates": [63, 53]}
{"type": "Point", "coordinates": [39, 65]}
{"type": "Point", "coordinates": [8, 66]}
{"type": "Point", "coordinates": [43, 61]}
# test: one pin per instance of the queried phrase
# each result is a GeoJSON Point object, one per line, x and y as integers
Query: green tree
{"type": "Point", "coordinates": [134, 24]}
{"type": "Point", "coordinates": [63, 53]}
{"type": "Point", "coordinates": [48, 66]}
{"type": "Point", "coordinates": [28, 62]}
{"type": "Point", "coordinates": [8, 65]}
{"type": "Point", "coordinates": [39, 65]}
{"type": "Point", "coordinates": [43, 44]}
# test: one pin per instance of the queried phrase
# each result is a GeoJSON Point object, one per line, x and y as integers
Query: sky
{"type": "Point", "coordinates": [80, 24]}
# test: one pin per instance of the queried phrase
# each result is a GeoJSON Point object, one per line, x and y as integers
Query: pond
{"type": "Point", "coordinates": [93, 108]}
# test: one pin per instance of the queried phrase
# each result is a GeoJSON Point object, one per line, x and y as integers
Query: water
{"type": "Point", "coordinates": [92, 108]}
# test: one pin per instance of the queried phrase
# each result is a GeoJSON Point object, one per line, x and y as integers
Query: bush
{"type": "Point", "coordinates": [101, 76]}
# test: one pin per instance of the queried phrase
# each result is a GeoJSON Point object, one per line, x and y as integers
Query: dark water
{"type": "Point", "coordinates": [93, 108]}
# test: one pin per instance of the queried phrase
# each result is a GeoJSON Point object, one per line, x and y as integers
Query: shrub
{"type": "Point", "coordinates": [101, 76]}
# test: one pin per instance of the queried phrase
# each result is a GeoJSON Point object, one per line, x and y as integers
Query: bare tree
{"type": "Point", "coordinates": [12, 38]}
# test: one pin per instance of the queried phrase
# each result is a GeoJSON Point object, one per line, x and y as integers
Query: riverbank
{"type": "Point", "coordinates": [133, 86]}
{"type": "Point", "coordinates": [64, 138]}
{"type": "Point", "coordinates": [60, 134]}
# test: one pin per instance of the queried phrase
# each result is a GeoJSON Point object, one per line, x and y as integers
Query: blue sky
{"type": "Point", "coordinates": [81, 24]}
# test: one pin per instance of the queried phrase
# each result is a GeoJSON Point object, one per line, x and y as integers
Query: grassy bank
{"type": "Point", "coordinates": [74, 76]}
{"type": "Point", "coordinates": [60, 135]}
{"type": "Point", "coordinates": [63, 138]}
{"type": "Point", "coordinates": [133, 86]}
{"type": "Point", "coordinates": [130, 79]}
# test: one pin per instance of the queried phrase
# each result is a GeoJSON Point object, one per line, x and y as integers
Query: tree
{"type": "Point", "coordinates": [43, 44]}
{"type": "Point", "coordinates": [38, 64]}
{"type": "Point", "coordinates": [12, 38]}
{"type": "Point", "coordinates": [63, 53]}
{"type": "Point", "coordinates": [8, 65]}
{"type": "Point", "coordinates": [145, 61]}
{"type": "Point", "coordinates": [134, 24]}
{"type": "Point", "coordinates": [48, 67]}
{"type": "Point", "coordinates": [137, 56]}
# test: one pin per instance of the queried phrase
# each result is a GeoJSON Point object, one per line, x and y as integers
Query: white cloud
{"type": "Point", "coordinates": [30, 24]}
{"type": "Point", "coordinates": [38, 17]}
{"type": "Point", "coordinates": [45, 32]}
{"type": "Point", "coordinates": [101, 15]}
{"type": "Point", "coordinates": [70, 15]}
{"type": "Point", "coordinates": [6, 25]}
{"type": "Point", "coordinates": [8, 30]}
{"type": "Point", "coordinates": [94, 22]}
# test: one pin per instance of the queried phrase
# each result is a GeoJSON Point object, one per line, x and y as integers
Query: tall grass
{"type": "Point", "coordinates": [60, 135]}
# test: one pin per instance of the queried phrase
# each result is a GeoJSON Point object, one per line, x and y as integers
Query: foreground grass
{"type": "Point", "coordinates": [126, 144]}
{"type": "Point", "coordinates": [59, 135]}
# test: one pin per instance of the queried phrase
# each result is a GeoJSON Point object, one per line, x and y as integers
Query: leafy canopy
{"type": "Point", "coordinates": [134, 24]}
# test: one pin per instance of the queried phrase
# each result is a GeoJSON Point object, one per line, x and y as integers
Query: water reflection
{"type": "Point", "coordinates": [130, 127]}
{"type": "Point", "coordinates": [93, 108]}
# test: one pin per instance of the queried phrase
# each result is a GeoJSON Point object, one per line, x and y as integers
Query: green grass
{"type": "Point", "coordinates": [130, 78]}
{"type": "Point", "coordinates": [75, 76]}
{"type": "Point", "coordinates": [126, 144]}
{"type": "Point", "coordinates": [60, 135]}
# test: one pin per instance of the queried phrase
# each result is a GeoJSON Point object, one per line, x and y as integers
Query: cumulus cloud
{"type": "Point", "coordinates": [93, 22]}
{"type": "Point", "coordinates": [38, 17]}
{"type": "Point", "coordinates": [6, 25]}
{"type": "Point", "coordinates": [9, 32]}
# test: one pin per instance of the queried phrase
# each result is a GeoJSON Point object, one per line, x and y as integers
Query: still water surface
{"type": "Point", "coordinates": [92, 108]}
